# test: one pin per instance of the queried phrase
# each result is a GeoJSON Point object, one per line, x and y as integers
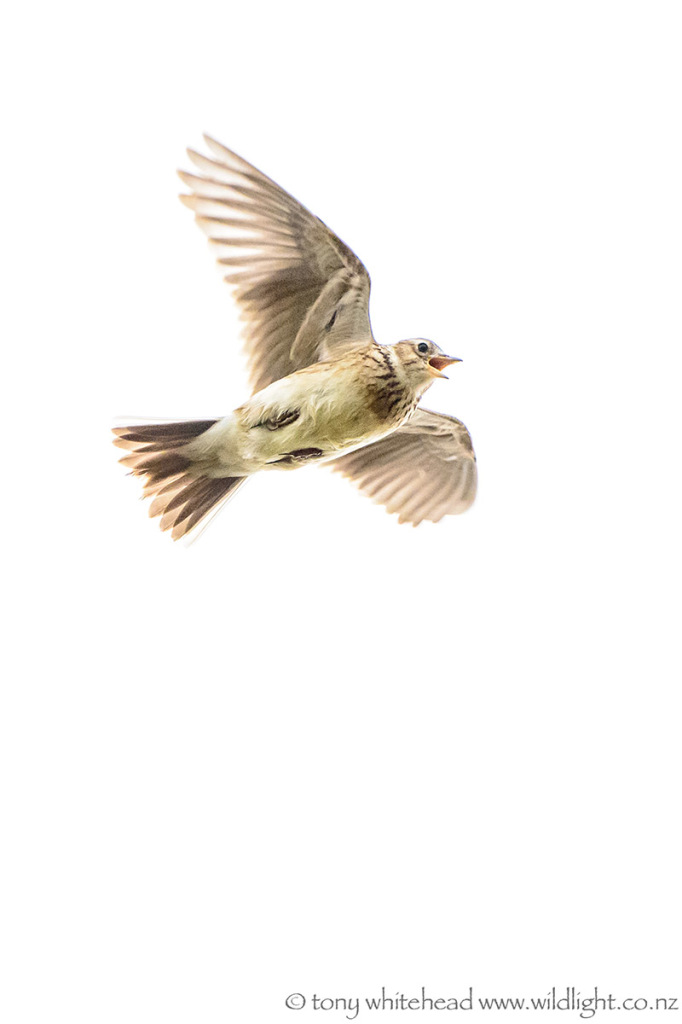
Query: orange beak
{"type": "Point", "coordinates": [438, 363]}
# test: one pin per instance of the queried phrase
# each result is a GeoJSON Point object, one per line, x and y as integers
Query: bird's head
{"type": "Point", "coordinates": [423, 360]}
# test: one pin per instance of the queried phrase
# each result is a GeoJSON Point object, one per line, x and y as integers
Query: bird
{"type": "Point", "coordinates": [323, 389]}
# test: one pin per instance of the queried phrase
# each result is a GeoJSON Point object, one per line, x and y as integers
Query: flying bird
{"type": "Point", "coordinates": [323, 389]}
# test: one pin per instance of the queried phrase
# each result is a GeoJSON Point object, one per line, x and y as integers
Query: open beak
{"type": "Point", "coordinates": [438, 363]}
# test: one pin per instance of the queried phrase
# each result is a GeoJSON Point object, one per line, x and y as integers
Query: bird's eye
{"type": "Point", "coordinates": [422, 347]}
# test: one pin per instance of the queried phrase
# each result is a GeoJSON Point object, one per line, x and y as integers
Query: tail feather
{"type": "Point", "coordinates": [180, 496]}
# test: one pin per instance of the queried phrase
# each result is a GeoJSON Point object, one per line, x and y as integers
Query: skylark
{"type": "Point", "coordinates": [323, 389]}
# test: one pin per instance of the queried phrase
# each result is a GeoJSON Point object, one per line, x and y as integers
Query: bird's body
{"type": "Point", "coordinates": [312, 415]}
{"type": "Point", "coordinates": [324, 389]}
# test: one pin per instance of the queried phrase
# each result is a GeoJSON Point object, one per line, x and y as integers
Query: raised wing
{"type": "Point", "coordinates": [425, 470]}
{"type": "Point", "coordinates": [304, 294]}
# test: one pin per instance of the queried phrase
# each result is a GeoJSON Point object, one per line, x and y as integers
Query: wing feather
{"type": "Point", "coordinates": [291, 275]}
{"type": "Point", "coordinates": [424, 470]}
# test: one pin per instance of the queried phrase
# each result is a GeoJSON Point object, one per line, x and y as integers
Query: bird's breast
{"type": "Point", "coordinates": [325, 410]}
{"type": "Point", "coordinates": [388, 393]}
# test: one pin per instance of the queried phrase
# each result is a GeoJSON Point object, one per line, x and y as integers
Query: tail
{"type": "Point", "coordinates": [181, 496]}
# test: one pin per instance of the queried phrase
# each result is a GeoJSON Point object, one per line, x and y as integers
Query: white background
{"type": "Point", "coordinates": [318, 752]}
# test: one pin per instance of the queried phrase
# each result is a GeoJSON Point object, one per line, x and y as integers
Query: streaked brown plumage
{"type": "Point", "coordinates": [324, 390]}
